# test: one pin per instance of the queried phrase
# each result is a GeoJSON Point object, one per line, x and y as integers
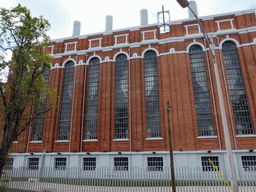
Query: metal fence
{"type": "Point", "coordinates": [134, 179]}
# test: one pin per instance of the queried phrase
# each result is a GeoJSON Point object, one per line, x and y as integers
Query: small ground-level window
{"type": "Point", "coordinates": [9, 163]}
{"type": "Point", "coordinates": [89, 164]}
{"type": "Point", "coordinates": [206, 164]}
{"type": "Point", "coordinates": [249, 163]}
{"type": "Point", "coordinates": [155, 163]}
{"type": "Point", "coordinates": [60, 163]}
{"type": "Point", "coordinates": [121, 163]}
{"type": "Point", "coordinates": [33, 163]}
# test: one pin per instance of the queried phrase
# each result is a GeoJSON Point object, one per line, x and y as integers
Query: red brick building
{"type": "Point", "coordinates": [113, 89]}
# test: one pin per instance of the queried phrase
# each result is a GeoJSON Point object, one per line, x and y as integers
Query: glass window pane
{"type": "Point", "coordinates": [152, 95]}
{"type": "Point", "coordinates": [249, 163]}
{"type": "Point", "coordinates": [33, 163]}
{"type": "Point", "coordinates": [121, 97]}
{"type": "Point", "coordinates": [39, 121]}
{"type": "Point", "coordinates": [121, 163]}
{"type": "Point", "coordinates": [237, 91]}
{"type": "Point", "coordinates": [91, 123]}
{"type": "Point", "coordinates": [201, 92]}
{"type": "Point", "coordinates": [66, 101]}
{"type": "Point", "coordinates": [155, 164]}
{"type": "Point", "coordinates": [90, 164]}
{"type": "Point", "coordinates": [60, 163]}
{"type": "Point", "coordinates": [206, 164]}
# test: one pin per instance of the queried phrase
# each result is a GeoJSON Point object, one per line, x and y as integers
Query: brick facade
{"type": "Point", "coordinates": [175, 85]}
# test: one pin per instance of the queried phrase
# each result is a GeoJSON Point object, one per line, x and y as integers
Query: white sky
{"type": "Point", "coordinates": [91, 13]}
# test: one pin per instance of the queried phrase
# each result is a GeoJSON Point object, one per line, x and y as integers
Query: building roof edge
{"type": "Point", "coordinates": [175, 22]}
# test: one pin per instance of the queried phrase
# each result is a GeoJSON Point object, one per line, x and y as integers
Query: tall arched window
{"type": "Point", "coordinates": [237, 90]}
{"type": "Point", "coordinates": [66, 101]}
{"type": "Point", "coordinates": [39, 121]}
{"type": "Point", "coordinates": [152, 95]}
{"type": "Point", "coordinates": [201, 92]}
{"type": "Point", "coordinates": [92, 99]}
{"type": "Point", "coordinates": [121, 97]}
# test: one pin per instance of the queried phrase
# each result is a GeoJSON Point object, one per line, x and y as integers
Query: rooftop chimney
{"type": "Point", "coordinates": [109, 23]}
{"type": "Point", "coordinates": [193, 6]}
{"type": "Point", "coordinates": [76, 28]}
{"type": "Point", "coordinates": [143, 17]}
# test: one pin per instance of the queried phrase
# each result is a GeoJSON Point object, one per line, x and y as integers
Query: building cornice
{"type": "Point", "coordinates": [158, 41]}
{"type": "Point", "coordinates": [176, 22]}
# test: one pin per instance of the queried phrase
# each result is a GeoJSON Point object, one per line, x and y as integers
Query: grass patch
{"type": "Point", "coordinates": [127, 183]}
{"type": "Point", "coordinates": [17, 190]}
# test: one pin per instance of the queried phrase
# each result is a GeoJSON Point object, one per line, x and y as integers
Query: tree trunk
{"type": "Point", "coordinates": [3, 154]}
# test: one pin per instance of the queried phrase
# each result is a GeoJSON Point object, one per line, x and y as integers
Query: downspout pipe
{"type": "Point", "coordinates": [226, 88]}
{"type": "Point", "coordinates": [42, 165]}
{"type": "Point", "coordinates": [72, 115]}
{"type": "Point", "coordinates": [130, 116]}
{"type": "Point", "coordinates": [213, 98]}
{"type": "Point", "coordinates": [82, 130]}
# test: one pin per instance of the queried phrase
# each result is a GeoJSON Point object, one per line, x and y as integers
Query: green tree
{"type": "Point", "coordinates": [26, 38]}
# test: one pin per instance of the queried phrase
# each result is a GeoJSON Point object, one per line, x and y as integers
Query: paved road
{"type": "Point", "coordinates": [53, 187]}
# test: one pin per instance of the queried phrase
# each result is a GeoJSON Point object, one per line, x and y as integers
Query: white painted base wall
{"type": "Point", "coordinates": [191, 159]}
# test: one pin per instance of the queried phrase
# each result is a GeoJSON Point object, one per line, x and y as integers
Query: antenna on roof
{"type": "Point", "coordinates": [164, 26]}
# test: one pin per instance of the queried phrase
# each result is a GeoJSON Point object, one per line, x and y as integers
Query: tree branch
{"type": "Point", "coordinates": [23, 128]}
{"type": "Point", "coordinates": [2, 94]}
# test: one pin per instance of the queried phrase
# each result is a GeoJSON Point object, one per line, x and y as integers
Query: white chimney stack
{"type": "Point", "coordinates": [143, 17]}
{"type": "Point", "coordinates": [76, 28]}
{"type": "Point", "coordinates": [109, 23]}
{"type": "Point", "coordinates": [193, 6]}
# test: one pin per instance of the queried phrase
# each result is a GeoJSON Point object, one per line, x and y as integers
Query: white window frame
{"type": "Point", "coordinates": [90, 166]}
{"type": "Point", "coordinates": [155, 168]}
{"type": "Point", "coordinates": [199, 30]}
{"type": "Point", "coordinates": [51, 46]}
{"type": "Point", "coordinates": [115, 168]}
{"type": "Point", "coordinates": [66, 46]}
{"type": "Point", "coordinates": [9, 164]}
{"type": "Point", "coordinates": [90, 42]}
{"type": "Point", "coordinates": [208, 168]}
{"type": "Point", "coordinates": [231, 22]}
{"type": "Point", "coordinates": [28, 162]}
{"type": "Point", "coordinates": [126, 38]}
{"type": "Point", "coordinates": [55, 168]}
{"type": "Point", "coordinates": [143, 35]}
{"type": "Point", "coordinates": [252, 167]}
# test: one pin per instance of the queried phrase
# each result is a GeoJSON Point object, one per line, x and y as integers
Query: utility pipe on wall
{"type": "Point", "coordinates": [82, 129]}
{"type": "Point", "coordinates": [73, 100]}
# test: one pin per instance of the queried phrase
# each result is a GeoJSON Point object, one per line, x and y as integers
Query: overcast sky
{"type": "Point", "coordinates": [91, 13]}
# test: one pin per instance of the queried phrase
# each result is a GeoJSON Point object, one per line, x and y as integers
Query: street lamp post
{"type": "Point", "coordinates": [184, 4]}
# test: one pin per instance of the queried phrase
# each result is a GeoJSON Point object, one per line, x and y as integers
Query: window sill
{"type": "Point", "coordinates": [90, 140]}
{"type": "Point", "coordinates": [36, 142]}
{"type": "Point", "coordinates": [154, 138]}
{"type": "Point", "coordinates": [15, 142]}
{"type": "Point", "coordinates": [252, 135]}
{"type": "Point", "coordinates": [61, 141]}
{"type": "Point", "coordinates": [206, 137]}
{"type": "Point", "coordinates": [120, 139]}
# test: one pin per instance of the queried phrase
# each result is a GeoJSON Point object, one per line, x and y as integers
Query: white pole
{"type": "Point", "coordinates": [222, 109]}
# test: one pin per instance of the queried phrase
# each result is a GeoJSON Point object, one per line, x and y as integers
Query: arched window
{"type": "Point", "coordinates": [92, 99]}
{"type": "Point", "coordinates": [201, 92]}
{"type": "Point", "coordinates": [39, 121]}
{"type": "Point", "coordinates": [66, 101]}
{"type": "Point", "coordinates": [121, 97]}
{"type": "Point", "coordinates": [152, 95]}
{"type": "Point", "coordinates": [237, 90]}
